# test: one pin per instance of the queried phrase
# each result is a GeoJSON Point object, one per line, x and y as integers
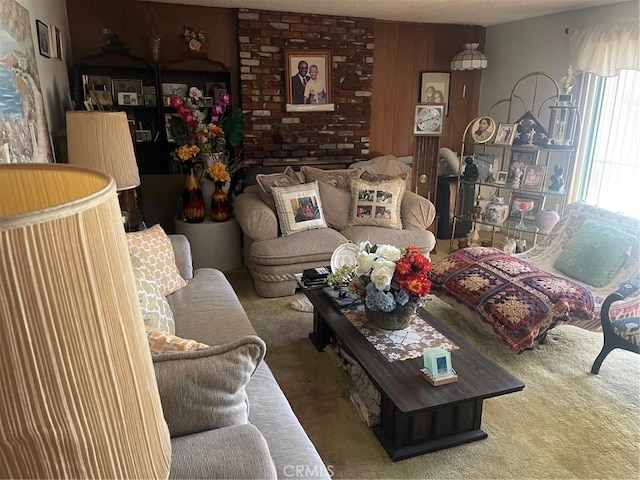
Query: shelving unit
{"type": "Point", "coordinates": [543, 91]}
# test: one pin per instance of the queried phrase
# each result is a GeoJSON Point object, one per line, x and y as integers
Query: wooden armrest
{"type": "Point", "coordinates": [625, 289]}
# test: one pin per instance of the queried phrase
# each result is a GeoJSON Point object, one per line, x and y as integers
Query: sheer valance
{"type": "Point", "coordinates": [605, 49]}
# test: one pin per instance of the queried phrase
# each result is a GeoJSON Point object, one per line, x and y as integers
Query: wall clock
{"type": "Point", "coordinates": [429, 119]}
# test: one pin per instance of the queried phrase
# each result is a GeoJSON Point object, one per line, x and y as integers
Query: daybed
{"type": "Point", "coordinates": [564, 279]}
{"type": "Point", "coordinates": [274, 256]}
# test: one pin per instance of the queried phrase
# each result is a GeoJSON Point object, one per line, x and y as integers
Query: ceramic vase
{"type": "Point", "coordinates": [220, 210]}
{"type": "Point", "coordinates": [546, 220]}
{"type": "Point", "coordinates": [192, 199]}
{"type": "Point", "coordinates": [399, 319]}
{"type": "Point", "coordinates": [496, 211]}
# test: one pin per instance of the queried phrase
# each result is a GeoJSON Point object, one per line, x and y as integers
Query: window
{"type": "Point", "coordinates": [611, 169]}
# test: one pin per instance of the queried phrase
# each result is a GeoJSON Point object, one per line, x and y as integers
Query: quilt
{"type": "Point", "coordinates": [519, 301]}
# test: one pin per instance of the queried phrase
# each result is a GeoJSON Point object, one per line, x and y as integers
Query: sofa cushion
{"type": "Point", "coordinates": [336, 205]}
{"type": "Point", "coordinates": [382, 177]}
{"type": "Point", "coordinates": [156, 311]}
{"type": "Point", "coordinates": [205, 389]}
{"type": "Point", "coordinates": [160, 342]}
{"type": "Point", "coordinates": [299, 249]}
{"type": "Point", "coordinates": [153, 247]}
{"type": "Point", "coordinates": [595, 253]}
{"type": "Point", "coordinates": [337, 178]}
{"type": "Point", "coordinates": [287, 178]}
{"type": "Point", "coordinates": [299, 208]}
{"type": "Point", "coordinates": [377, 203]}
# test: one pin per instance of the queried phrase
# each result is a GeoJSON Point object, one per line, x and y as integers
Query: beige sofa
{"type": "Point", "coordinates": [273, 259]}
{"type": "Point", "coordinates": [273, 443]}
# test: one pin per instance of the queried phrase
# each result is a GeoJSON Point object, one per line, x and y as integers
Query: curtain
{"type": "Point", "coordinates": [605, 49]}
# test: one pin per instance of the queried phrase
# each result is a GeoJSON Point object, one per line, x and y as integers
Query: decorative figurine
{"type": "Point", "coordinates": [477, 209]}
{"type": "Point", "coordinates": [473, 238]}
{"type": "Point", "coordinates": [490, 177]}
{"type": "Point", "coordinates": [509, 246]}
{"type": "Point", "coordinates": [471, 170]}
{"type": "Point", "coordinates": [517, 177]}
{"type": "Point", "coordinates": [530, 134]}
{"type": "Point", "coordinates": [557, 182]}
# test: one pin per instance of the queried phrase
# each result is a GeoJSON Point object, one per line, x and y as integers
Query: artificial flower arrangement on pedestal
{"type": "Point", "coordinates": [391, 282]}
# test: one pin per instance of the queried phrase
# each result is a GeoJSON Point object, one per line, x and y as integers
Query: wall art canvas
{"type": "Point", "coordinates": [24, 133]}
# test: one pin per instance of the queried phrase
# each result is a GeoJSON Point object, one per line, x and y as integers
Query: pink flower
{"type": "Point", "coordinates": [194, 45]}
{"type": "Point", "coordinates": [225, 99]}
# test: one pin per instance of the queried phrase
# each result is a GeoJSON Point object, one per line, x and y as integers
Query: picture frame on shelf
{"type": "Point", "coordinates": [505, 134]}
{"type": "Point", "coordinates": [128, 99]}
{"type": "Point", "coordinates": [149, 94]}
{"type": "Point", "coordinates": [44, 38]}
{"type": "Point", "coordinates": [520, 159]}
{"type": "Point", "coordinates": [531, 214]}
{"type": "Point", "coordinates": [95, 82]}
{"type": "Point", "coordinates": [429, 119]}
{"type": "Point", "coordinates": [179, 89]}
{"type": "Point", "coordinates": [434, 88]}
{"type": "Point", "coordinates": [482, 129]}
{"type": "Point", "coordinates": [533, 176]}
{"type": "Point", "coordinates": [101, 99]}
{"type": "Point", "coordinates": [484, 162]}
{"type": "Point", "coordinates": [143, 136]}
{"type": "Point", "coordinates": [167, 126]}
{"type": "Point", "coordinates": [126, 85]}
{"type": "Point", "coordinates": [501, 177]}
{"type": "Point", "coordinates": [215, 90]}
{"type": "Point", "coordinates": [299, 63]}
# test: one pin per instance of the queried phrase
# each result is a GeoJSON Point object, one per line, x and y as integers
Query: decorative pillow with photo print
{"type": "Point", "coordinates": [377, 203]}
{"type": "Point", "coordinates": [299, 208]}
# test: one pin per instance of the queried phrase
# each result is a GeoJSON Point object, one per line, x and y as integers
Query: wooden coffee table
{"type": "Point", "coordinates": [415, 417]}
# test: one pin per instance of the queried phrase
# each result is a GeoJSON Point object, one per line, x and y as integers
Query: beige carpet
{"type": "Point", "coordinates": [566, 423]}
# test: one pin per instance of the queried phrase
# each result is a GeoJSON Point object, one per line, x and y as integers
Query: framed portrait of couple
{"type": "Point", "coordinates": [434, 88]}
{"type": "Point", "coordinates": [308, 81]}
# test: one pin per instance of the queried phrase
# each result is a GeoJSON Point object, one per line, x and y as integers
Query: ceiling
{"type": "Point", "coordinates": [468, 12]}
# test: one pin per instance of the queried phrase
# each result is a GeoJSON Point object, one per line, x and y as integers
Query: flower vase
{"type": "Point", "coordinates": [192, 199]}
{"type": "Point", "coordinates": [546, 220]}
{"type": "Point", "coordinates": [220, 211]}
{"type": "Point", "coordinates": [398, 319]}
{"type": "Point", "coordinates": [496, 211]}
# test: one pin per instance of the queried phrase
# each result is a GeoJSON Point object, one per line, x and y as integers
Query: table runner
{"type": "Point", "coordinates": [400, 344]}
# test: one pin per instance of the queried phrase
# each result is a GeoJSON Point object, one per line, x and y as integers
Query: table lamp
{"type": "Point", "coordinates": [79, 397]}
{"type": "Point", "coordinates": [102, 141]}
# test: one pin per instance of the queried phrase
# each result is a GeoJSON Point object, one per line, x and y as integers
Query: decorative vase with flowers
{"type": "Point", "coordinates": [391, 282]}
{"type": "Point", "coordinates": [220, 210]}
{"type": "Point", "coordinates": [192, 200]}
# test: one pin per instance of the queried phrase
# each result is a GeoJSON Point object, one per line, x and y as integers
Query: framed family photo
{"type": "Point", "coordinates": [533, 176]}
{"type": "Point", "coordinates": [482, 129]}
{"type": "Point", "coordinates": [505, 134]}
{"type": "Point", "coordinates": [44, 39]}
{"type": "Point", "coordinates": [434, 88]}
{"type": "Point", "coordinates": [520, 159]}
{"type": "Point", "coordinates": [308, 77]}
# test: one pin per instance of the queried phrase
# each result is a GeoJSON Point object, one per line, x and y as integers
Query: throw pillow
{"type": "Point", "coordinates": [336, 205]}
{"type": "Point", "coordinates": [337, 178]}
{"type": "Point", "coordinates": [153, 247]}
{"type": "Point", "coordinates": [287, 178]}
{"type": "Point", "coordinates": [156, 312]}
{"type": "Point", "coordinates": [205, 389]}
{"type": "Point", "coordinates": [377, 203]}
{"type": "Point", "coordinates": [299, 208]}
{"type": "Point", "coordinates": [595, 253]}
{"type": "Point", "coordinates": [160, 342]}
{"type": "Point", "coordinates": [382, 177]}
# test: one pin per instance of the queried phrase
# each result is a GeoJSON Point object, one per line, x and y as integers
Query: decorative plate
{"type": "Point", "coordinates": [345, 254]}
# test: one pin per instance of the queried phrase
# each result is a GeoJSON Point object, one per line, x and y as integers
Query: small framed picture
{"type": "Point", "coordinates": [533, 176]}
{"type": "Point", "coordinates": [207, 101]}
{"type": "Point", "coordinates": [437, 361]}
{"type": "Point", "coordinates": [44, 39]}
{"type": "Point", "coordinates": [179, 89]}
{"type": "Point", "coordinates": [124, 85]}
{"type": "Point", "coordinates": [57, 41]}
{"type": "Point", "coordinates": [505, 133]}
{"type": "Point", "coordinates": [128, 98]}
{"type": "Point", "coordinates": [149, 99]}
{"type": "Point", "coordinates": [501, 177]}
{"type": "Point", "coordinates": [101, 99]}
{"type": "Point", "coordinates": [520, 159]}
{"type": "Point", "coordinates": [529, 205]}
{"type": "Point", "coordinates": [428, 119]}
{"type": "Point", "coordinates": [434, 88]}
{"type": "Point", "coordinates": [143, 136]}
{"type": "Point", "coordinates": [483, 129]}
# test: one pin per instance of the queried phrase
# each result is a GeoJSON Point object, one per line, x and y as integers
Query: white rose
{"type": "Point", "coordinates": [365, 263]}
{"type": "Point", "coordinates": [389, 252]}
{"type": "Point", "coordinates": [382, 274]}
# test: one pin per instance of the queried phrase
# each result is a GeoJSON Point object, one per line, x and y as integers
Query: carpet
{"type": "Point", "coordinates": [566, 423]}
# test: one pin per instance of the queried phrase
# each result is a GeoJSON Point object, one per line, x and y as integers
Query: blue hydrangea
{"type": "Point", "coordinates": [371, 288]}
{"type": "Point", "coordinates": [402, 297]}
{"type": "Point", "coordinates": [385, 302]}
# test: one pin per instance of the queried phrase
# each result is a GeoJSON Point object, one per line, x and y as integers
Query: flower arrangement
{"type": "Point", "coordinates": [386, 277]}
{"type": "Point", "coordinates": [193, 38]}
{"type": "Point", "coordinates": [218, 172]}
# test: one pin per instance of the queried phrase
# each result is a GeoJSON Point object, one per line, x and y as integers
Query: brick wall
{"type": "Point", "coordinates": [274, 136]}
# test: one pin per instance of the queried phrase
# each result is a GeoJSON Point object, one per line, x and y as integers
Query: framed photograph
{"type": "Point", "coordinates": [520, 159]}
{"type": "Point", "coordinates": [129, 86]}
{"type": "Point", "coordinates": [179, 89]}
{"type": "Point", "coordinates": [483, 129]}
{"type": "Point", "coordinates": [505, 133]}
{"type": "Point", "coordinates": [44, 39]}
{"type": "Point", "coordinates": [95, 82]}
{"type": "Point", "coordinates": [501, 177]}
{"type": "Point", "coordinates": [148, 96]}
{"type": "Point", "coordinates": [128, 98]}
{"type": "Point", "coordinates": [57, 42]}
{"type": "Point", "coordinates": [143, 136]}
{"type": "Point", "coordinates": [533, 176]}
{"type": "Point", "coordinates": [215, 89]}
{"type": "Point", "coordinates": [101, 99]}
{"type": "Point", "coordinates": [437, 361]}
{"type": "Point", "coordinates": [308, 74]}
{"type": "Point", "coordinates": [428, 119]}
{"type": "Point", "coordinates": [434, 88]}
{"type": "Point", "coordinates": [207, 101]}
{"type": "Point", "coordinates": [484, 162]}
{"type": "Point", "coordinates": [167, 126]}
{"type": "Point", "coordinates": [532, 203]}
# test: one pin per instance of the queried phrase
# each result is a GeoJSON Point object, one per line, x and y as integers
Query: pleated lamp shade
{"type": "Point", "coordinates": [469, 59]}
{"type": "Point", "coordinates": [78, 397]}
{"type": "Point", "coordinates": [102, 141]}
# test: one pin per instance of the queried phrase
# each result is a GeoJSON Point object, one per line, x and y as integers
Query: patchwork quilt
{"type": "Point", "coordinates": [518, 300]}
